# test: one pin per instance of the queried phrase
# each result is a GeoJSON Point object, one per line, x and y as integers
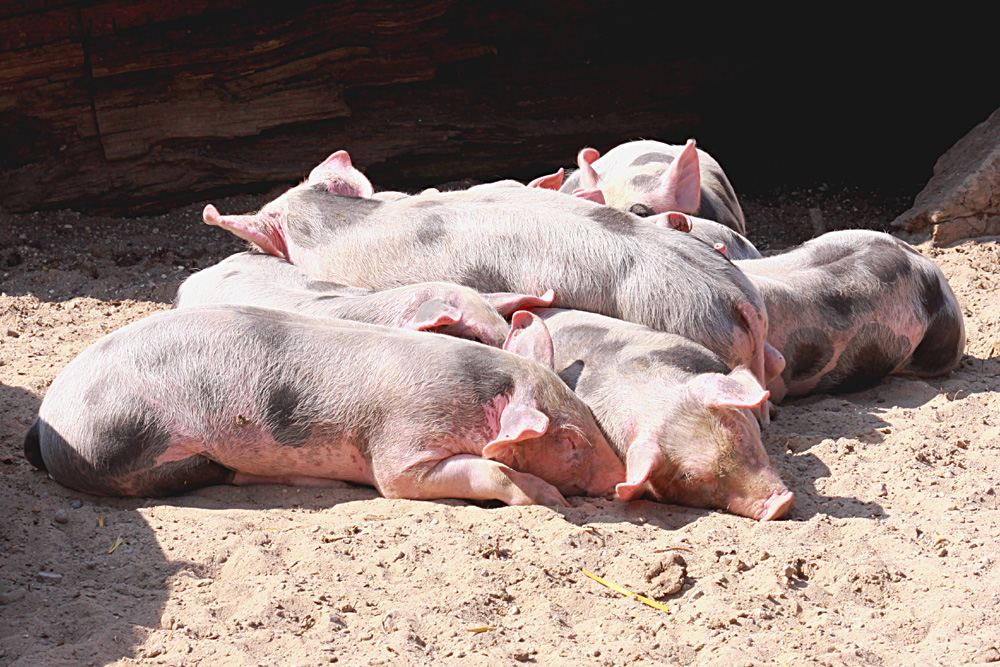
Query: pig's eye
{"type": "Point", "coordinates": [641, 210]}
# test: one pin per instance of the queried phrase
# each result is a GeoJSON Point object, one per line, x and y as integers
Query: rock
{"type": "Point", "coordinates": [666, 576]}
{"type": "Point", "coordinates": [962, 198]}
{"type": "Point", "coordinates": [48, 577]}
{"type": "Point", "coordinates": [11, 596]}
{"type": "Point", "coordinates": [76, 504]}
{"type": "Point", "coordinates": [60, 516]}
{"type": "Point", "coordinates": [990, 654]}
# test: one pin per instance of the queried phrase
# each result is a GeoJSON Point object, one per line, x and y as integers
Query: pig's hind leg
{"type": "Point", "coordinates": [474, 478]}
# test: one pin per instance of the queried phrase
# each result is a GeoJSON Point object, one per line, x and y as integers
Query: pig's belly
{"type": "Point", "coordinates": [263, 456]}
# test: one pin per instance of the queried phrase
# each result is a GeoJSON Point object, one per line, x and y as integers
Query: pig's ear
{"type": "Point", "coordinates": [588, 176]}
{"type": "Point", "coordinates": [518, 422]}
{"type": "Point", "coordinates": [341, 177]}
{"type": "Point", "coordinates": [433, 315]}
{"type": "Point", "coordinates": [643, 457]}
{"type": "Point", "coordinates": [530, 338]}
{"type": "Point", "coordinates": [721, 248]}
{"type": "Point", "coordinates": [592, 194]}
{"type": "Point", "coordinates": [261, 229]}
{"type": "Point", "coordinates": [507, 303]}
{"type": "Point", "coordinates": [739, 389]}
{"type": "Point", "coordinates": [680, 186]}
{"type": "Point", "coordinates": [549, 181]}
{"type": "Point", "coordinates": [672, 220]}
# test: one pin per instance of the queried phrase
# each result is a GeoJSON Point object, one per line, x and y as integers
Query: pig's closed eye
{"type": "Point", "coordinates": [641, 210]}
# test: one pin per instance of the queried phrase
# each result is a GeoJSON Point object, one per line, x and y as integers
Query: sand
{"type": "Point", "coordinates": [890, 556]}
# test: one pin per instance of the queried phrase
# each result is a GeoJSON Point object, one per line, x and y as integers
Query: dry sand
{"type": "Point", "coordinates": [890, 556]}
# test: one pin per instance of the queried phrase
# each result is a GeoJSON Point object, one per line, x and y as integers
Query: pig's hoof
{"type": "Point", "coordinates": [778, 505]}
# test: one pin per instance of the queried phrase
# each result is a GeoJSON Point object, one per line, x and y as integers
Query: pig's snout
{"type": "Point", "coordinates": [776, 505]}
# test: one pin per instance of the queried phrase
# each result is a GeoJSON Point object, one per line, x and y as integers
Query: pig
{"type": "Point", "coordinates": [241, 395]}
{"type": "Point", "coordinates": [672, 410]}
{"type": "Point", "coordinates": [258, 279]}
{"type": "Point", "coordinates": [849, 307]}
{"type": "Point", "coordinates": [730, 243]}
{"type": "Point", "coordinates": [660, 176]}
{"type": "Point", "coordinates": [522, 240]}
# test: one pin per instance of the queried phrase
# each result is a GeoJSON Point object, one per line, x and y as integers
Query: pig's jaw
{"type": "Point", "coordinates": [776, 505]}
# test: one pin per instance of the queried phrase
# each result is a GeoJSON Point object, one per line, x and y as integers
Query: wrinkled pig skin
{"type": "Point", "coordinates": [663, 177]}
{"type": "Point", "coordinates": [229, 394]}
{"type": "Point", "coordinates": [517, 239]}
{"type": "Point", "coordinates": [850, 307]}
{"type": "Point", "coordinates": [673, 411]}
{"type": "Point", "coordinates": [266, 281]}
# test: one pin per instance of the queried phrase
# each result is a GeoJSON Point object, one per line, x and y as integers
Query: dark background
{"type": "Point", "coordinates": [139, 106]}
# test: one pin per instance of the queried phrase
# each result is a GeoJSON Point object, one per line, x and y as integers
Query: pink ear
{"type": "Point", "coordinates": [507, 303]}
{"type": "Point", "coordinates": [681, 184]}
{"type": "Point", "coordinates": [518, 422]}
{"type": "Point", "coordinates": [434, 315]}
{"type": "Point", "coordinates": [643, 457]}
{"type": "Point", "coordinates": [672, 220]}
{"type": "Point", "coordinates": [341, 177]}
{"type": "Point", "coordinates": [263, 229]}
{"type": "Point", "coordinates": [739, 389]}
{"type": "Point", "coordinates": [549, 181]}
{"type": "Point", "coordinates": [529, 337]}
{"type": "Point", "coordinates": [588, 176]}
{"type": "Point", "coordinates": [594, 195]}
{"type": "Point", "coordinates": [721, 247]}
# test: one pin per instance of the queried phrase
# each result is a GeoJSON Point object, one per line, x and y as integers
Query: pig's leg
{"type": "Point", "coordinates": [475, 478]}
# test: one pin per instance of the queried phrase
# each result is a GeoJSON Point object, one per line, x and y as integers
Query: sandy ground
{"type": "Point", "coordinates": [890, 556]}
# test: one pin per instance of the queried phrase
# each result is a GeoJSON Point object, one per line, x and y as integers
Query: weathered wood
{"type": "Point", "coordinates": [139, 105]}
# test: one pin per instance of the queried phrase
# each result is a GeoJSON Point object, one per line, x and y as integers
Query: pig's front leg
{"type": "Point", "coordinates": [475, 478]}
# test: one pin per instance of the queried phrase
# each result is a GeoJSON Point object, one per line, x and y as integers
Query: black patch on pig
{"type": "Point", "coordinates": [335, 212]}
{"type": "Point", "coordinates": [728, 191]}
{"type": "Point", "coordinates": [641, 210]}
{"type": "Point", "coordinates": [837, 310]}
{"type": "Point", "coordinates": [33, 447]}
{"type": "Point", "coordinates": [282, 415]}
{"type": "Point", "coordinates": [169, 479]}
{"type": "Point", "coordinates": [486, 278]}
{"type": "Point", "coordinates": [807, 351]}
{"type": "Point", "coordinates": [873, 352]}
{"type": "Point", "coordinates": [822, 255]}
{"type": "Point", "coordinates": [652, 158]}
{"type": "Point", "coordinates": [644, 182]}
{"type": "Point", "coordinates": [889, 267]}
{"type": "Point", "coordinates": [485, 378]}
{"type": "Point", "coordinates": [938, 351]}
{"type": "Point", "coordinates": [613, 220]}
{"type": "Point", "coordinates": [424, 203]}
{"type": "Point", "coordinates": [626, 266]}
{"type": "Point", "coordinates": [431, 230]}
{"type": "Point", "coordinates": [131, 440]}
{"type": "Point", "coordinates": [571, 374]}
{"type": "Point", "coordinates": [683, 357]}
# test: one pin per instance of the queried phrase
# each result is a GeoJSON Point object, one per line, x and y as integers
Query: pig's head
{"type": "Point", "coordinates": [662, 187]}
{"type": "Point", "coordinates": [268, 228]}
{"type": "Point", "coordinates": [545, 429]}
{"type": "Point", "coordinates": [707, 451]}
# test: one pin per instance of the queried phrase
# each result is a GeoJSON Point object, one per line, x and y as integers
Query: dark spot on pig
{"type": "Point", "coordinates": [643, 182]}
{"type": "Point", "coordinates": [932, 296]}
{"type": "Point", "coordinates": [419, 202]}
{"type": "Point", "coordinates": [169, 479]}
{"type": "Point", "coordinates": [270, 332]}
{"type": "Point", "coordinates": [431, 230]}
{"type": "Point", "coordinates": [131, 438]}
{"type": "Point", "coordinates": [652, 158]}
{"type": "Point", "coordinates": [889, 267]}
{"type": "Point", "coordinates": [208, 391]}
{"type": "Point", "coordinates": [626, 266]}
{"type": "Point", "coordinates": [807, 351]}
{"type": "Point", "coordinates": [485, 378]}
{"type": "Point", "coordinates": [315, 215]}
{"type": "Point", "coordinates": [282, 415]}
{"type": "Point", "coordinates": [874, 352]}
{"type": "Point", "coordinates": [641, 210]}
{"type": "Point", "coordinates": [325, 287]}
{"type": "Point", "coordinates": [618, 222]}
{"type": "Point", "coordinates": [686, 358]}
{"type": "Point", "coordinates": [836, 310]}
{"type": "Point", "coordinates": [825, 254]}
{"type": "Point", "coordinates": [570, 375]}
{"type": "Point", "coordinates": [727, 192]}
{"type": "Point", "coordinates": [486, 278]}
{"type": "Point", "coordinates": [33, 447]}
